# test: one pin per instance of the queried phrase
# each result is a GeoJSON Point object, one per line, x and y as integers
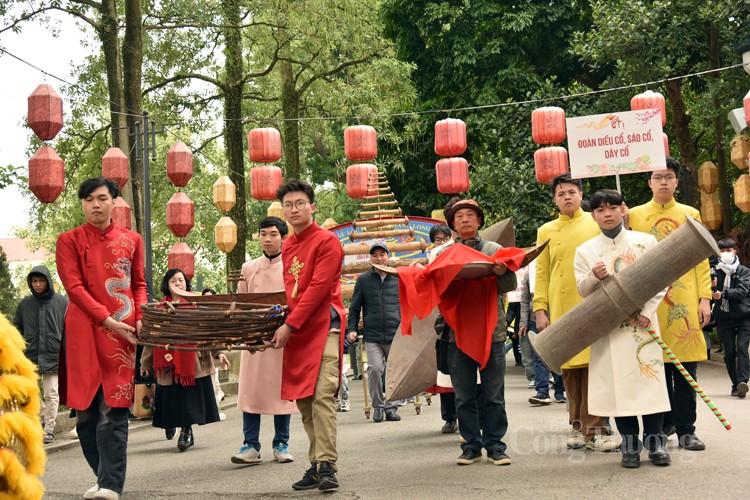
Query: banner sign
{"type": "Point", "coordinates": [629, 142]}
{"type": "Point", "coordinates": [420, 225]}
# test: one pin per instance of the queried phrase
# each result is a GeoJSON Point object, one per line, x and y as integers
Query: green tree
{"type": "Point", "coordinates": [8, 295]}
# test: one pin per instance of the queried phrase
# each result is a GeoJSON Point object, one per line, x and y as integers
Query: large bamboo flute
{"type": "Point", "coordinates": [688, 377]}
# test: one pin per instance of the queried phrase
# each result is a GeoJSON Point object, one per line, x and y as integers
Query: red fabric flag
{"type": "Point", "coordinates": [468, 306]}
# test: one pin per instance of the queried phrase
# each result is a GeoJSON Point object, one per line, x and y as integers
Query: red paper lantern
{"type": "Point", "coordinates": [45, 115]}
{"type": "Point", "coordinates": [46, 174]}
{"type": "Point", "coordinates": [357, 176]}
{"type": "Point", "coordinates": [746, 105]}
{"type": "Point", "coordinates": [181, 257]}
{"type": "Point", "coordinates": [452, 175]}
{"type": "Point", "coordinates": [550, 162]}
{"type": "Point", "coordinates": [650, 100]}
{"type": "Point", "coordinates": [179, 164]}
{"type": "Point", "coordinates": [121, 213]}
{"type": "Point", "coordinates": [450, 137]}
{"type": "Point", "coordinates": [264, 145]}
{"type": "Point", "coordinates": [360, 143]}
{"type": "Point", "coordinates": [264, 181]}
{"type": "Point", "coordinates": [180, 214]}
{"type": "Point", "coordinates": [666, 144]}
{"type": "Point", "coordinates": [548, 125]}
{"type": "Point", "coordinates": [115, 166]}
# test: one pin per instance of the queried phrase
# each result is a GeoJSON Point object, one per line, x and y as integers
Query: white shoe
{"type": "Point", "coordinates": [531, 385]}
{"type": "Point", "coordinates": [247, 456]}
{"type": "Point", "coordinates": [603, 443]}
{"type": "Point", "coordinates": [576, 441]}
{"type": "Point", "coordinates": [222, 416]}
{"type": "Point", "coordinates": [105, 494]}
{"type": "Point", "coordinates": [91, 492]}
{"type": "Point", "coordinates": [281, 454]}
{"type": "Point", "coordinates": [345, 405]}
{"type": "Point", "coordinates": [73, 434]}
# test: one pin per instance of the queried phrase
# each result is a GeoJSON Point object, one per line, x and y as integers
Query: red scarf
{"type": "Point", "coordinates": [468, 306]}
{"type": "Point", "coordinates": [182, 363]}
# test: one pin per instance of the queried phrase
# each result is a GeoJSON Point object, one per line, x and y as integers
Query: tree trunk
{"type": "Point", "coordinates": [290, 109]}
{"type": "Point", "coordinates": [108, 34]}
{"type": "Point", "coordinates": [685, 143]}
{"type": "Point", "coordinates": [233, 133]}
{"type": "Point", "coordinates": [132, 62]}
{"type": "Point", "coordinates": [714, 58]}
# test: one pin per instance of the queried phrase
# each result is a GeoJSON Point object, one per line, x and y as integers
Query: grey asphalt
{"type": "Point", "coordinates": [412, 459]}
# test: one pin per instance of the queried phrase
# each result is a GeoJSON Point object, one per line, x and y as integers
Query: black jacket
{"type": "Point", "coordinates": [378, 300]}
{"type": "Point", "coordinates": [41, 320]}
{"type": "Point", "coordinates": [737, 294]}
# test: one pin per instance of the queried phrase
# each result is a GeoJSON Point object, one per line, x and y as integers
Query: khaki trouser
{"type": "Point", "coordinates": [576, 382]}
{"type": "Point", "coordinates": [51, 401]}
{"type": "Point", "coordinates": [319, 411]}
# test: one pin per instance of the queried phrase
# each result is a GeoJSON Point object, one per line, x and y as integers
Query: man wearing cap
{"type": "Point", "coordinates": [376, 296]}
{"type": "Point", "coordinates": [465, 217]}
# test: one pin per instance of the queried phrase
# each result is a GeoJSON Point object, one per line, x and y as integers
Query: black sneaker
{"type": "Point", "coordinates": [328, 479]}
{"type": "Point", "coordinates": [449, 427]}
{"type": "Point", "coordinates": [392, 416]}
{"type": "Point", "coordinates": [498, 457]}
{"type": "Point", "coordinates": [310, 480]}
{"type": "Point", "coordinates": [540, 399]}
{"type": "Point", "coordinates": [468, 457]}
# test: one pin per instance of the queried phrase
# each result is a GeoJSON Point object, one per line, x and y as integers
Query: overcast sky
{"type": "Point", "coordinates": [54, 55]}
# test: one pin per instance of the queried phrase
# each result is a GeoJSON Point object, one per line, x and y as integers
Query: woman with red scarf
{"type": "Point", "coordinates": [184, 391]}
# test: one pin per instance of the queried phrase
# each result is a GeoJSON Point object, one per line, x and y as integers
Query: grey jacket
{"type": "Point", "coordinates": [505, 283]}
{"type": "Point", "coordinates": [41, 320]}
{"type": "Point", "coordinates": [377, 299]}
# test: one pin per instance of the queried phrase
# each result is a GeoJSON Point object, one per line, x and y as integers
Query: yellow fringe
{"type": "Point", "coordinates": [18, 382]}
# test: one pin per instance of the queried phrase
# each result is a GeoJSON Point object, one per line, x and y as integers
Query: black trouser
{"type": "Point", "coordinates": [513, 317]}
{"type": "Point", "coordinates": [628, 427]}
{"type": "Point", "coordinates": [103, 433]}
{"type": "Point", "coordinates": [736, 339]}
{"type": "Point", "coordinates": [448, 406]}
{"type": "Point", "coordinates": [681, 398]}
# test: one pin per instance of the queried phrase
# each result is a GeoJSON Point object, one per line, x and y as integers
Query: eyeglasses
{"type": "Point", "coordinates": [299, 205]}
{"type": "Point", "coordinates": [440, 241]}
{"type": "Point", "coordinates": [659, 178]}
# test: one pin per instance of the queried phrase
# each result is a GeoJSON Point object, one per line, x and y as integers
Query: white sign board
{"type": "Point", "coordinates": [616, 143]}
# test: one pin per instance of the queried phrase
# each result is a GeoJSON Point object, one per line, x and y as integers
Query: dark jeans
{"type": "Point", "coordinates": [512, 317]}
{"type": "Point", "coordinates": [681, 398]}
{"type": "Point", "coordinates": [448, 406]}
{"type": "Point", "coordinates": [541, 374]}
{"type": "Point", "coordinates": [251, 429]}
{"type": "Point", "coordinates": [736, 339]}
{"type": "Point", "coordinates": [628, 427]}
{"type": "Point", "coordinates": [103, 433]}
{"type": "Point", "coordinates": [463, 371]}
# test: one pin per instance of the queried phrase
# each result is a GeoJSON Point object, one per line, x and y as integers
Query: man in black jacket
{"type": "Point", "coordinates": [376, 296]}
{"type": "Point", "coordinates": [40, 318]}
{"type": "Point", "coordinates": [732, 312]}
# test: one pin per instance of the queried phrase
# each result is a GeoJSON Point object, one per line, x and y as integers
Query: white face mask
{"type": "Point", "coordinates": [727, 257]}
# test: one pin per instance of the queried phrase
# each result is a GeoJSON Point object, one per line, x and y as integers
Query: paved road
{"type": "Point", "coordinates": [411, 459]}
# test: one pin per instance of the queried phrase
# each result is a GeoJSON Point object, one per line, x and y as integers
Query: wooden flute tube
{"type": "Point", "coordinates": [378, 213]}
{"type": "Point", "coordinates": [380, 222]}
{"type": "Point", "coordinates": [361, 267]}
{"type": "Point", "coordinates": [411, 246]}
{"type": "Point", "coordinates": [381, 234]}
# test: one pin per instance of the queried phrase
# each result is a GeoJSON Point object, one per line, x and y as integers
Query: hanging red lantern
{"type": "Point", "coordinates": [45, 114]}
{"type": "Point", "coordinates": [181, 257]}
{"type": "Point", "coordinates": [746, 105]}
{"type": "Point", "coordinates": [450, 137]}
{"type": "Point", "coordinates": [360, 143]}
{"type": "Point", "coordinates": [357, 176]}
{"type": "Point", "coordinates": [179, 164]}
{"type": "Point", "coordinates": [548, 125]}
{"type": "Point", "coordinates": [264, 145]}
{"type": "Point", "coordinates": [666, 144]}
{"type": "Point", "coordinates": [180, 214]}
{"type": "Point", "coordinates": [264, 181]}
{"type": "Point", "coordinates": [550, 162]}
{"type": "Point", "coordinates": [46, 174]}
{"type": "Point", "coordinates": [452, 175]}
{"type": "Point", "coordinates": [650, 100]}
{"type": "Point", "coordinates": [115, 166]}
{"type": "Point", "coordinates": [121, 213]}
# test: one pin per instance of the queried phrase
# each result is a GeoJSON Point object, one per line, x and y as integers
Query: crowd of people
{"type": "Point", "coordinates": [623, 375]}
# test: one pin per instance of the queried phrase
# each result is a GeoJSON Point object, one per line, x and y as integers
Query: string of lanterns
{"type": "Point", "coordinates": [452, 173]}
{"type": "Point", "coordinates": [46, 168]}
{"type": "Point", "coordinates": [360, 144]}
{"type": "Point", "coordinates": [180, 208]}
